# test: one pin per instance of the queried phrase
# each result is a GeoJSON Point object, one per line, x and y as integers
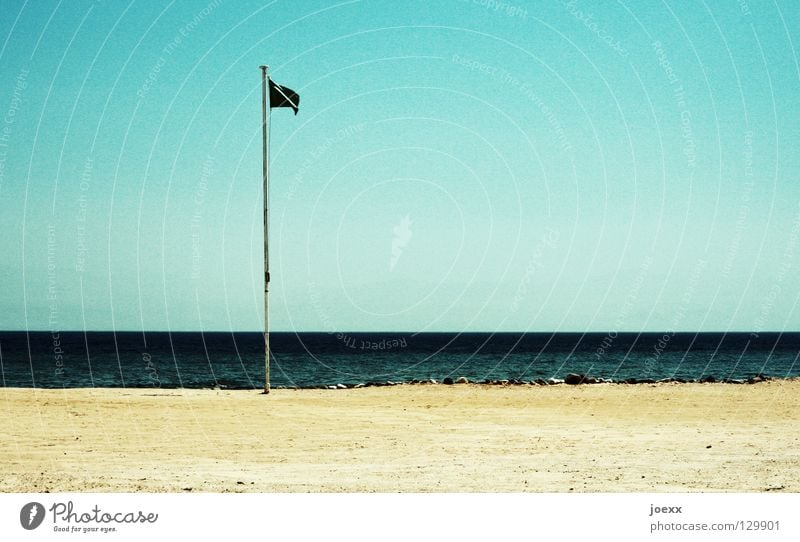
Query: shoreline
{"type": "Point", "coordinates": [571, 379]}
{"type": "Point", "coordinates": [662, 437]}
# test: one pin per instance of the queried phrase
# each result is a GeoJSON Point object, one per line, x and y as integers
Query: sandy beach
{"type": "Point", "coordinates": [409, 438]}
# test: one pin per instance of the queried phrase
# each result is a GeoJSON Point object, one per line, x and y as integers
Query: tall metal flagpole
{"type": "Point", "coordinates": [265, 134]}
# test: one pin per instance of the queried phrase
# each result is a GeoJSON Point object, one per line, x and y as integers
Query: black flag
{"type": "Point", "coordinates": [283, 97]}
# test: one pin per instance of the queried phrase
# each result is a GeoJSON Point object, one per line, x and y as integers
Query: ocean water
{"type": "Point", "coordinates": [236, 360]}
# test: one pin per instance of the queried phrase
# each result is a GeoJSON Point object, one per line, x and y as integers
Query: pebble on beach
{"type": "Point", "coordinates": [574, 379]}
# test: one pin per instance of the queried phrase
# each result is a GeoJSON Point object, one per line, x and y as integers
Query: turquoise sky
{"type": "Point", "coordinates": [457, 165]}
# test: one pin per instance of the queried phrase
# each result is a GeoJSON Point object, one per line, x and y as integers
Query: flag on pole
{"type": "Point", "coordinates": [283, 97]}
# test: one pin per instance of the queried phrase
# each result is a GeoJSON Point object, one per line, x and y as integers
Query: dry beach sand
{"type": "Point", "coordinates": [410, 438]}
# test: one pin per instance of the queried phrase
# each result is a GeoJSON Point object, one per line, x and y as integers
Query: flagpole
{"type": "Point", "coordinates": [265, 171]}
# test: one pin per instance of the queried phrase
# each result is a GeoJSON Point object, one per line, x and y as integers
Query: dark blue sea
{"type": "Point", "coordinates": [236, 360]}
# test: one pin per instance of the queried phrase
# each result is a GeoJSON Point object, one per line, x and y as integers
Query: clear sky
{"type": "Point", "coordinates": [455, 165]}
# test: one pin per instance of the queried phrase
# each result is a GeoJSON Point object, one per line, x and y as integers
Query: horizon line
{"type": "Point", "coordinates": [606, 332]}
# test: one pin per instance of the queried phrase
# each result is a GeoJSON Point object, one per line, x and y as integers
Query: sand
{"type": "Point", "coordinates": [409, 438]}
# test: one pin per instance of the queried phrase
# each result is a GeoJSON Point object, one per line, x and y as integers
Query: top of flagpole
{"type": "Point", "coordinates": [263, 67]}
